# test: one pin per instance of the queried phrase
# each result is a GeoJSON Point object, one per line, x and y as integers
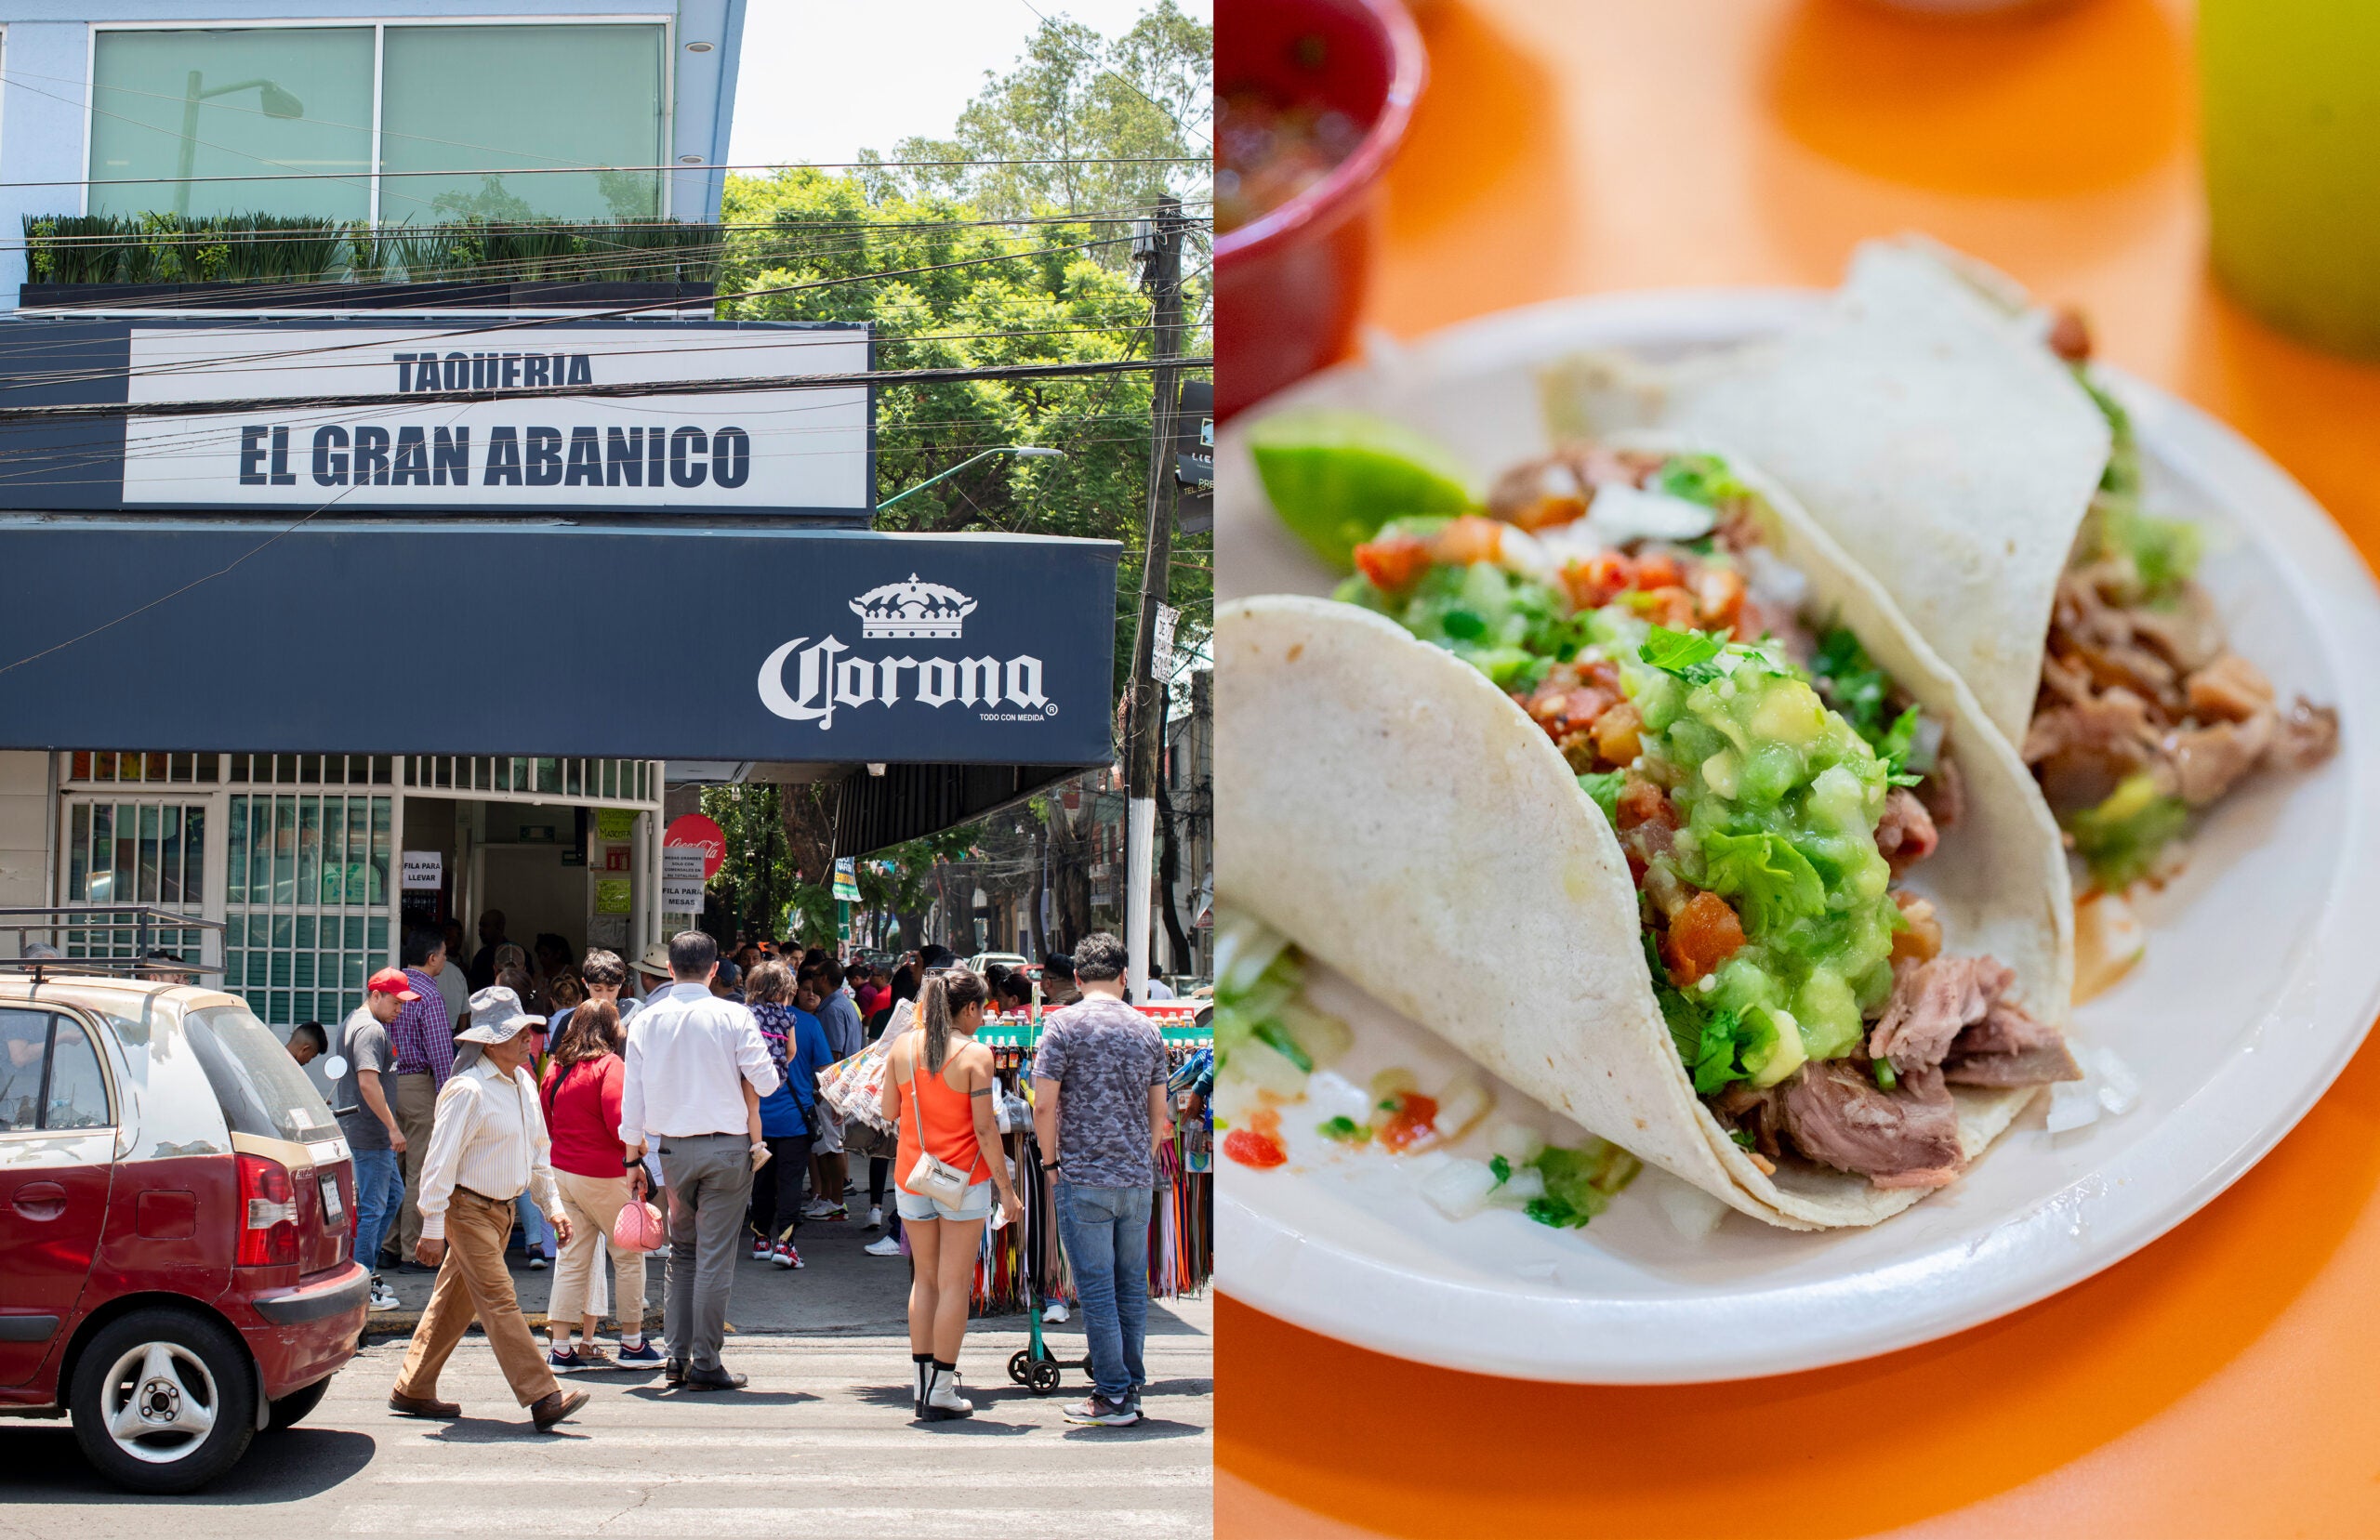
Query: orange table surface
{"type": "Point", "coordinates": [2221, 1381]}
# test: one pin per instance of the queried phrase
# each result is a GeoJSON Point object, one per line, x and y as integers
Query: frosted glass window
{"type": "Point", "coordinates": [479, 100]}
{"type": "Point", "coordinates": [176, 103]}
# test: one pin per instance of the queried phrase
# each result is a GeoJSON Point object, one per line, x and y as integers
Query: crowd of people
{"type": "Point", "coordinates": [563, 1097]}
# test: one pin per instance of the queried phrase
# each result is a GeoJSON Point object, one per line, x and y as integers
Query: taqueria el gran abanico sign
{"type": "Point", "coordinates": [782, 451]}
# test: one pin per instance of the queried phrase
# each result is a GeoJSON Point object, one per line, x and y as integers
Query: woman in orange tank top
{"type": "Point", "coordinates": [938, 1086]}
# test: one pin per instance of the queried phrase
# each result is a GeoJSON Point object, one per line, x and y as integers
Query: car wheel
{"type": "Point", "coordinates": [163, 1401]}
{"type": "Point", "coordinates": [291, 1409]}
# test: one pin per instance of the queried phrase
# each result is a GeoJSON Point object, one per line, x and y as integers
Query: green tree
{"type": "Point", "coordinates": [1079, 97]}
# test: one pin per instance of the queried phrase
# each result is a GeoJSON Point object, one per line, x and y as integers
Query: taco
{"type": "Point", "coordinates": [1953, 437]}
{"type": "Point", "coordinates": [1758, 893]}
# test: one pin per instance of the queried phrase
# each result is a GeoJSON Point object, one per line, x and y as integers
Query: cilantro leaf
{"type": "Point", "coordinates": [1344, 1130]}
{"type": "Point", "coordinates": [1502, 1169]}
{"type": "Point", "coordinates": [1774, 881]}
{"type": "Point", "coordinates": [1687, 655]}
{"type": "Point", "coordinates": [1851, 681]}
{"type": "Point", "coordinates": [1703, 478]}
{"type": "Point", "coordinates": [1579, 1183]}
{"type": "Point", "coordinates": [1741, 1138]}
{"type": "Point", "coordinates": [1604, 786]}
{"type": "Point", "coordinates": [1894, 747]}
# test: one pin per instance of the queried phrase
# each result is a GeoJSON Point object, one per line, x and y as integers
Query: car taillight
{"type": "Point", "coordinates": [268, 1213]}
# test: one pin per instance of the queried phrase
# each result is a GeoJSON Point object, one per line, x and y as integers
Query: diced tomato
{"type": "Point", "coordinates": [1702, 934]}
{"type": "Point", "coordinates": [1469, 539]}
{"type": "Point", "coordinates": [1643, 802]}
{"type": "Point", "coordinates": [1413, 1122]}
{"type": "Point", "coordinates": [1549, 512]}
{"type": "Point", "coordinates": [1250, 1148]}
{"type": "Point", "coordinates": [1671, 606]}
{"type": "Point", "coordinates": [1594, 580]}
{"type": "Point", "coordinates": [1616, 738]}
{"type": "Point", "coordinates": [1718, 597]}
{"type": "Point", "coordinates": [1394, 563]}
{"type": "Point", "coordinates": [1657, 569]}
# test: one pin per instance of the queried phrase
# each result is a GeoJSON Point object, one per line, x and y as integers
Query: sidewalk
{"type": "Point", "coordinates": [841, 1291]}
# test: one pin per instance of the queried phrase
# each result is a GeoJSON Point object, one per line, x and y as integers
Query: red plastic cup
{"type": "Point", "coordinates": [1290, 285]}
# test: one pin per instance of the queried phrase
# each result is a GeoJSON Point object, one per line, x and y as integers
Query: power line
{"type": "Point", "coordinates": [677, 169]}
{"type": "Point", "coordinates": [757, 384]}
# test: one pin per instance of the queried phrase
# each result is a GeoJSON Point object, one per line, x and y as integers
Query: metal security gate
{"type": "Point", "coordinates": [296, 854]}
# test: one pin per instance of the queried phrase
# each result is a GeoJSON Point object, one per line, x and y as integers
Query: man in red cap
{"type": "Point", "coordinates": [364, 1098]}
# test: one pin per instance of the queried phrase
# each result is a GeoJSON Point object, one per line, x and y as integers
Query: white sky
{"type": "Point", "coordinates": [821, 79]}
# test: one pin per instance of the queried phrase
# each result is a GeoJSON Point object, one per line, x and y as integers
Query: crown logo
{"type": "Point", "coordinates": [912, 609]}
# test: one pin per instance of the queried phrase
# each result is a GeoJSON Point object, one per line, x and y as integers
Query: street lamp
{"type": "Point", "coordinates": [278, 103]}
{"type": "Point", "coordinates": [1022, 451]}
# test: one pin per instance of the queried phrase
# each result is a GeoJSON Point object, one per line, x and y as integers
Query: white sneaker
{"type": "Point", "coordinates": [1054, 1314]}
{"type": "Point", "coordinates": [818, 1208]}
{"type": "Point", "coordinates": [942, 1400]}
{"type": "Point", "coordinates": [383, 1297]}
{"type": "Point", "coordinates": [875, 1218]}
{"type": "Point", "coordinates": [889, 1246]}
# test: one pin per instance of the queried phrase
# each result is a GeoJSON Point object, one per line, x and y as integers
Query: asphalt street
{"type": "Point", "coordinates": [820, 1443]}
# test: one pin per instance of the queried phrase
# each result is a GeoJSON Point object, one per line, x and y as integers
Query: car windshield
{"type": "Point", "coordinates": [262, 1089]}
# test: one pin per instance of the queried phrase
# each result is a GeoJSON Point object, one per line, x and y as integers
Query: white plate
{"type": "Point", "coordinates": [2261, 976]}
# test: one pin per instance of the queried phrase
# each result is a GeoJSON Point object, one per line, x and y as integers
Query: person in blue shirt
{"type": "Point", "coordinates": [789, 1114]}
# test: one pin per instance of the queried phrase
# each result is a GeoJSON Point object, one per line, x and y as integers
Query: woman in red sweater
{"type": "Point", "coordinates": [582, 1096]}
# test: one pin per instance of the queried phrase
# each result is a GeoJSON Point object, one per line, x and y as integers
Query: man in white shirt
{"type": "Point", "coordinates": [688, 1061]}
{"type": "Point", "coordinates": [487, 1146]}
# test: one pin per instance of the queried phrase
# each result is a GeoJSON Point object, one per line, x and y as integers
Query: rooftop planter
{"type": "Point", "coordinates": [164, 253]}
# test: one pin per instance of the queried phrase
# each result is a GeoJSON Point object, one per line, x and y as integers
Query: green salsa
{"type": "Point", "coordinates": [1777, 795]}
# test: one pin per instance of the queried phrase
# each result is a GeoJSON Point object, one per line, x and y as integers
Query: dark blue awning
{"type": "Point", "coordinates": [456, 638]}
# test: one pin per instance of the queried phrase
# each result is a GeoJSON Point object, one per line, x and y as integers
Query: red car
{"type": "Point", "coordinates": [176, 1225]}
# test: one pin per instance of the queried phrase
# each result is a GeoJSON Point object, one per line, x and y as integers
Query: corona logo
{"type": "Point", "coordinates": [912, 609]}
{"type": "Point", "coordinates": [825, 675]}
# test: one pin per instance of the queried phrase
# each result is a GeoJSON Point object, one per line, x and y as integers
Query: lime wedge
{"type": "Point", "coordinates": [1335, 477]}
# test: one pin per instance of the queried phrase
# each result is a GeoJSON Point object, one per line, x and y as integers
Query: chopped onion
{"type": "Point", "coordinates": [2072, 1104]}
{"type": "Point", "coordinates": [1621, 513]}
{"type": "Point", "coordinates": [1524, 1186]}
{"type": "Point", "coordinates": [2119, 1087]}
{"type": "Point", "coordinates": [1517, 1143]}
{"type": "Point", "coordinates": [1257, 1064]}
{"type": "Point", "coordinates": [1325, 1038]}
{"type": "Point", "coordinates": [1244, 947]}
{"type": "Point", "coordinates": [1693, 1213]}
{"type": "Point", "coordinates": [1459, 1188]}
{"type": "Point", "coordinates": [1388, 1082]}
{"type": "Point", "coordinates": [1463, 1103]}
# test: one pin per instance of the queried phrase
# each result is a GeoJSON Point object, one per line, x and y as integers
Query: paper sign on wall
{"type": "Point", "coordinates": [616, 823]}
{"type": "Point", "coordinates": [682, 879]}
{"type": "Point", "coordinates": [424, 869]}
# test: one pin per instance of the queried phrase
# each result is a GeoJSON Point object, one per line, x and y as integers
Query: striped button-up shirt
{"type": "Point", "coordinates": [422, 1036]}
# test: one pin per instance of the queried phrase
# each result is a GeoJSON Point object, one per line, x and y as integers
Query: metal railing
{"type": "Point", "coordinates": [59, 923]}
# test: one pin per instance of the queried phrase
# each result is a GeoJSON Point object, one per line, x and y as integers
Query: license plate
{"type": "Point", "coordinates": [334, 1212]}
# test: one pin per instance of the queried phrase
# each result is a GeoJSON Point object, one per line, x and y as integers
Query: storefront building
{"type": "Point", "coordinates": [331, 605]}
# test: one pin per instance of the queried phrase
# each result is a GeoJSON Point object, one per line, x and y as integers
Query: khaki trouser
{"type": "Point", "coordinates": [472, 1282]}
{"type": "Point", "coordinates": [592, 1203]}
{"type": "Point", "coordinates": [417, 1105]}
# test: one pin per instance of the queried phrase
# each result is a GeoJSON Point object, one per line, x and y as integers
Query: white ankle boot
{"type": "Point", "coordinates": [942, 1400]}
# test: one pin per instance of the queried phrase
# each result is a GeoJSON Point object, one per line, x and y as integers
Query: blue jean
{"type": "Point", "coordinates": [536, 1236]}
{"type": "Point", "coordinates": [1107, 1234]}
{"type": "Point", "coordinates": [379, 1190]}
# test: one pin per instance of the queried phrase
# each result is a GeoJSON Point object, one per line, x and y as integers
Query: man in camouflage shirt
{"type": "Point", "coordinates": [1099, 1113]}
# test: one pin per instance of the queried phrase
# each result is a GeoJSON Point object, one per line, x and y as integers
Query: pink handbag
{"type": "Point", "coordinates": [639, 1228]}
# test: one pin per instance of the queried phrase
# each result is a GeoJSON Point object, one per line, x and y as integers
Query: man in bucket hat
{"type": "Point", "coordinates": [488, 1146]}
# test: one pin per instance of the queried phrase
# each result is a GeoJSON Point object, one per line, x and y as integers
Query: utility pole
{"type": "Point", "coordinates": [1156, 246]}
